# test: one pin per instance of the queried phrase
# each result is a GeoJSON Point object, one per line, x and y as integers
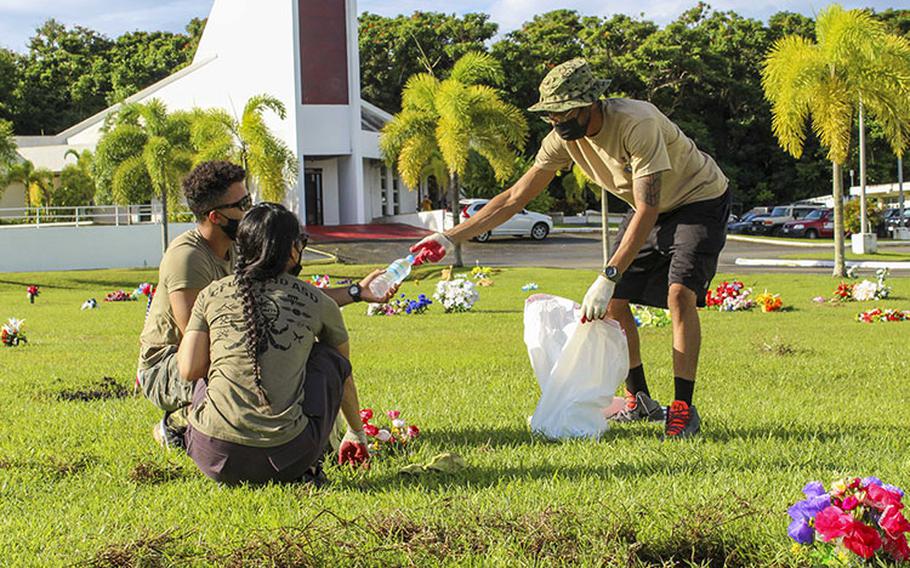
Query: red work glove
{"type": "Point", "coordinates": [432, 249]}
{"type": "Point", "coordinates": [354, 449]}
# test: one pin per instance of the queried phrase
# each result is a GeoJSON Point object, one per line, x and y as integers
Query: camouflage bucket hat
{"type": "Point", "coordinates": [569, 85]}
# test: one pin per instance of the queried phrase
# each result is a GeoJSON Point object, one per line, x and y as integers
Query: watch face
{"type": "Point", "coordinates": [354, 290]}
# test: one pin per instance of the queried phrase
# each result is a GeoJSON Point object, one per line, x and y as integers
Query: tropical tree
{"type": "Point", "coordinates": [37, 183]}
{"type": "Point", "coordinates": [443, 120]}
{"type": "Point", "coordinates": [272, 165]}
{"type": "Point", "coordinates": [144, 153]}
{"type": "Point", "coordinates": [7, 149]}
{"type": "Point", "coordinates": [855, 61]}
{"type": "Point", "coordinates": [77, 186]}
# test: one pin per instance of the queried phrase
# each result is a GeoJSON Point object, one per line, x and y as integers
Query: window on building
{"type": "Point", "coordinates": [396, 195]}
{"type": "Point", "coordinates": [384, 188]}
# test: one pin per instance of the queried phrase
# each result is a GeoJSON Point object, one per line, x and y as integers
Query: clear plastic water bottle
{"type": "Point", "coordinates": [394, 274]}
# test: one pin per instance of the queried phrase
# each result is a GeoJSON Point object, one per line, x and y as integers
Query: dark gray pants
{"type": "Point", "coordinates": [230, 463]}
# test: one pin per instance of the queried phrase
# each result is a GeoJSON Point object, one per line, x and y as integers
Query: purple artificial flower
{"type": "Point", "coordinates": [800, 531]}
{"type": "Point", "coordinates": [814, 489]}
{"type": "Point", "coordinates": [893, 489]}
{"type": "Point", "coordinates": [871, 480]}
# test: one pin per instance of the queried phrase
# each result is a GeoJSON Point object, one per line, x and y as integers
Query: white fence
{"type": "Point", "coordinates": [115, 215]}
{"type": "Point", "coordinates": [33, 248]}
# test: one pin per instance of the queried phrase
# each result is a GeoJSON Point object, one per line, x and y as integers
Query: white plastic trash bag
{"type": "Point", "coordinates": [578, 367]}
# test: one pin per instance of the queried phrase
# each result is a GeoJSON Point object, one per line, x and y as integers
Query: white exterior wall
{"type": "Point", "coordinates": [34, 249]}
{"type": "Point", "coordinates": [13, 197]}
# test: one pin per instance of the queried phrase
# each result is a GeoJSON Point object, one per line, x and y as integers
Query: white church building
{"type": "Point", "coordinates": [303, 52]}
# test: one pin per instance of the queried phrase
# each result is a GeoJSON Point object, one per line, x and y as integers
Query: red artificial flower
{"type": "Point", "coordinates": [850, 503]}
{"type": "Point", "coordinates": [393, 414]}
{"type": "Point", "coordinates": [370, 430]}
{"type": "Point", "coordinates": [880, 498]}
{"type": "Point", "coordinates": [832, 523]}
{"type": "Point", "coordinates": [897, 548]}
{"type": "Point", "coordinates": [893, 522]}
{"type": "Point", "coordinates": [854, 483]}
{"type": "Point", "coordinates": [862, 540]}
{"type": "Point", "coordinates": [366, 414]}
{"type": "Point", "coordinates": [413, 431]}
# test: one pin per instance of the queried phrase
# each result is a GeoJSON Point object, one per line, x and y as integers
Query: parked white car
{"type": "Point", "coordinates": [523, 224]}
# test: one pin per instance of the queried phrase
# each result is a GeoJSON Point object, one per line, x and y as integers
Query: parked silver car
{"type": "Point", "coordinates": [524, 224]}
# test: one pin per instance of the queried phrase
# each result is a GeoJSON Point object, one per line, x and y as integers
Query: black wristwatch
{"type": "Point", "coordinates": [612, 274]}
{"type": "Point", "coordinates": [354, 291]}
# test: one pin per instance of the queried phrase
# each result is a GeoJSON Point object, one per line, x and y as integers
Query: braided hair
{"type": "Point", "coordinates": [265, 238]}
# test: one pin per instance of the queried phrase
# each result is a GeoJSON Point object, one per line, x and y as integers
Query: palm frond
{"type": "Point", "coordinates": [420, 93]}
{"type": "Point", "coordinates": [477, 67]}
{"type": "Point", "coordinates": [416, 154]}
{"type": "Point", "coordinates": [790, 74]}
{"type": "Point", "coordinates": [131, 182]}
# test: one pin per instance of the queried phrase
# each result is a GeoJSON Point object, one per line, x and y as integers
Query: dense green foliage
{"type": "Point", "coordinates": [785, 398]}
{"type": "Point", "coordinates": [702, 69]}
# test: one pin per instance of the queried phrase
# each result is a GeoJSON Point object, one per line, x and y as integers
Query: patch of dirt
{"type": "Point", "coordinates": [105, 388]}
{"type": "Point", "coordinates": [779, 348]}
{"type": "Point", "coordinates": [151, 473]}
{"type": "Point", "coordinates": [147, 551]}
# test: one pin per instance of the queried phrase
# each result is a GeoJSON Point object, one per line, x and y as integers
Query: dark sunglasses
{"type": "Point", "coordinates": [557, 119]}
{"type": "Point", "coordinates": [244, 204]}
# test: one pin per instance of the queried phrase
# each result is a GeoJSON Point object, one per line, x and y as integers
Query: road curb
{"type": "Point", "coordinates": [761, 241]}
{"type": "Point", "coordinates": [784, 263]}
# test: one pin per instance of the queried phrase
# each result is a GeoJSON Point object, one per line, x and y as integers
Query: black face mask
{"type": "Point", "coordinates": [231, 228]}
{"type": "Point", "coordinates": [295, 270]}
{"type": "Point", "coordinates": [572, 129]}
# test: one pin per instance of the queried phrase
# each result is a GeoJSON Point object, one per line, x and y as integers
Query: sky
{"type": "Point", "coordinates": [19, 18]}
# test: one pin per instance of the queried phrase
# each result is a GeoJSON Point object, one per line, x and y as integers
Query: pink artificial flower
{"type": "Point", "coordinates": [370, 430]}
{"type": "Point", "coordinates": [384, 435]}
{"type": "Point", "coordinates": [897, 548]}
{"type": "Point", "coordinates": [880, 498]}
{"type": "Point", "coordinates": [832, 523]}
{"type": "Point", "coordinates": [862, 540]}
{"type": "Point", "coordinates": [850, 503]}
{"type": "Point", "coordinates": [854, 483]}
{"type": "Point", "coordinates": [893, 522]}
{"type": "Point", "coordinates": [413, 431]}
{"type": "Point", "coordinates": [366, 414]}
{"type": "Point", "coordinates": [393, 414]}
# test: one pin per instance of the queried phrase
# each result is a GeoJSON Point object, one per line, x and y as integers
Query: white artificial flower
{"type": "Point", "coordinates": [398, 423]}
{"type": "Point", "coordinates": [383, 435]}
{"type": "Point", "coordinates": [865, 291]}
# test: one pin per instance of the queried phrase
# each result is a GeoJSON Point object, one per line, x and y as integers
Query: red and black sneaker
{"type": "Point", "coordinates": [639, 407]}
{"type": "Point", "coordinates": [683, 421]}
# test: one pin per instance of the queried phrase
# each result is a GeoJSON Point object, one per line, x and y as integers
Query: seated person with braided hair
{"type": "Point", "coordinates": [273, 355]}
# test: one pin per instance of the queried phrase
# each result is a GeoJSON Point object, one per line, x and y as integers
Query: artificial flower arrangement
{"type": "Point", "coordinates": [11, 334]}
{"type": "Point", "coordinates": [401, 305]}
{"type": "Point", "coordinates": [458, 295]}
{"type": "Point", "coordinates": [861, 517]}
{"type": "Point", "coordinates": [396, 438]}
{"type": "Point", "coordinates": [879, 315]}
{"type": "Point", "coordinates": [31, 293]}
{"type": "Point", "coordinates": [481, 272]}
{"type": "Point", "coordinates": [530, 287]}
{"type": "Point", "coordinates": [646, 316]}
{"type": "Point", "coordinates": [864, 291]}
{"type": "Point", "coordinates": [769, 302]}
{"type": "Point", "coordinates": [730, 297]}
{"type": "Point", "coordinates": [90, 304]}
{"type": "Point", "coordinates": [320, 280]}
{"type": "Point", "coordinates": [119, 296]}
{"type": "Point", "coordinates": [144, 289]}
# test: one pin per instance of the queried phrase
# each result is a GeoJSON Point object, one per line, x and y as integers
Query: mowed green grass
{"type": "Point", "coordinates": [785, 398]}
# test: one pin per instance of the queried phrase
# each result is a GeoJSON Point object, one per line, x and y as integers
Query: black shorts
{"type": "Point", "coordinates": [683, 248]}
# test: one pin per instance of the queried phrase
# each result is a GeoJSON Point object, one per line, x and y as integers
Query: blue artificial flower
{"type": "Point", "coordinates": [814, 489]}
{"type": "Point", "coordinates": [800, 531]}
{"type": "Point", "coordinates": [871, 480]}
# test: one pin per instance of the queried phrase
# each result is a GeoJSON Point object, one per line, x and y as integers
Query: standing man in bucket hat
{"type": "Point", "coordinates": [668, 244]}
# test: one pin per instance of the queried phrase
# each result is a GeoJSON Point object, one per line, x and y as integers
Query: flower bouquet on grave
{"type": "Point", "coordinates": [879, 315]}
{"type": "Point", "coordinates": [11, 334]}
{"type": "Point", "coordinates": [31, 293]}
{"type": "Point", "coordinates": [320, 280]}
{"type": "Point", "coordinates": [119, 296]}
{"type": "Point", "coordinates": [458, 295]}
{"type": "Point", "coordinates": [769, 302]}
{"type": "Point", "coordinates": [730, 297]}
{"type": "Point", "coordinates": [396, 438]}
{"type": "Point", "coordinates": [861, 518]}
{"type": "Point", "coordinates": [646, 316]}
{"type": "Point", "coordinates": [400, 305]}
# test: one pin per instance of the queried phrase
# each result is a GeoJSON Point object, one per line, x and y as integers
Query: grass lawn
{"type": "Point", "coordinates": [785, 398]}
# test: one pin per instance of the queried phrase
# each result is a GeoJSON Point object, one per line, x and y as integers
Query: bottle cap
{"type": "Point", "coordinates": [410, 259]}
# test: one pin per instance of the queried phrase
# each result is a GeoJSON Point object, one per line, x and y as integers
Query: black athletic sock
{"type": "Point", "coordinates": [635, 381]}
{"type": "Point", "coordinates": [684, 388]}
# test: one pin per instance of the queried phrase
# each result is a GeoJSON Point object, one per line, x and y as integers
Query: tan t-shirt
{"type": "Point", "coordinates": [298, 314]}
{"type": "Point", "coordinates": [188, 264]}
{"type": "Point", "coordinates": [637, 140]}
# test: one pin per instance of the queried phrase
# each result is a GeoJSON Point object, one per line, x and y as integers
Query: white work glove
{"type": "Point", "coordinates": [432, 249]}
{"type": "Point", "coordinates": [594, 306]}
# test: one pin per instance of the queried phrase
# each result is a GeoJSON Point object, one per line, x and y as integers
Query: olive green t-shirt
{"type": "Point", "coordinates": [188, 264]}
{"type": "Point", "coordinates": [637, 140]}
{"type": "Point", "coordinates": [297, 315]}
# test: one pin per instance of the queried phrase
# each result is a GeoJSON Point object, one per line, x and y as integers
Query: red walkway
{"type": "Point", "coordinates": [372, 232]}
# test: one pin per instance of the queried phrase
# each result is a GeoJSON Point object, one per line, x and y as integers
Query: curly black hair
{"type": "Point", "coordinates": [265, 238]}
{"type": "Point", "coordinates": [206, 185]}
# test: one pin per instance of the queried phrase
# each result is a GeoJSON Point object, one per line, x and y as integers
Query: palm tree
{"type": "Point", "coordinates": [144, 153]}
{"type": "Point", "coordinates": [855, 61]}
{"type": "Point", "coordinates": [77, 184]}
{"type": "Point", "coordinates": [38, 183]}
{"type": "Point", "coordinates": [443, 120]}
{"type": "Point", "coordinates": [270, 163]}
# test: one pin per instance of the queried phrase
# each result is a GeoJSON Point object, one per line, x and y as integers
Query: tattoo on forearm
{"type": "Point", "coordinates": [647, 189]}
